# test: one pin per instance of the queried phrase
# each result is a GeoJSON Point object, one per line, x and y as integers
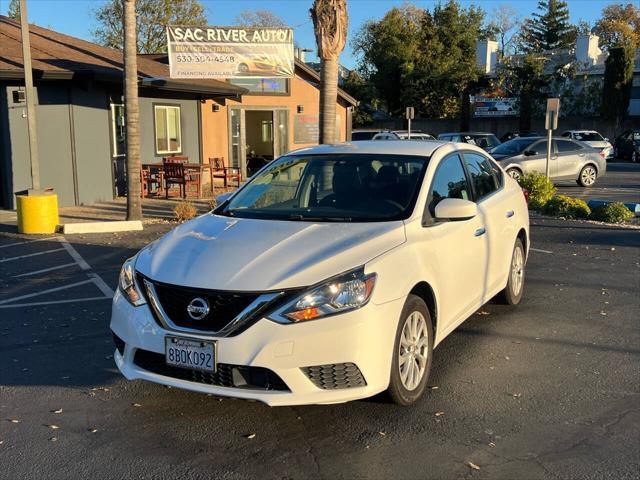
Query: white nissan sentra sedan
{"type": "Point", "coordinates": [330, 276]}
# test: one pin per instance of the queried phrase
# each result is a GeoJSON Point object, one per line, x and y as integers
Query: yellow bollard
{"type": "Point", "coordinates": [37, 213]}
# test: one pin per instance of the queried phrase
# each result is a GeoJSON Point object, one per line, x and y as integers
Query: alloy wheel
{"type": "Point", "coordinates": [517, 271]}
{"type": "Point", "coordinates": [514, 173]}
{"type": "Point", "coordinates": [413, 350]}
{"type": "Point", "coordinates": [588, 176]}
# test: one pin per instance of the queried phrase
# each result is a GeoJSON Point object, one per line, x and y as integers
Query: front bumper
{"type": "Point", "coordinates": [362, 337]}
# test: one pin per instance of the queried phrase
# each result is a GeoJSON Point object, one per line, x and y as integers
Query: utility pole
{"type": "Point", "coordinates": [31, 108]}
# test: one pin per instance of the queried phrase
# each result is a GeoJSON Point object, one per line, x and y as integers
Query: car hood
{"type": "Point", "coordinates": [599, 144]}
{"type": "Point", "coordinates": [240, 254]}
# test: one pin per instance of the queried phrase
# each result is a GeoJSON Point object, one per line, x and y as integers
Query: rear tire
{"type": "Point", "coordinates": [588, 176]}
{"type": "Point", "coordinates": [412, 352]}
{"type": "Point", "coordinates": [512, 293]}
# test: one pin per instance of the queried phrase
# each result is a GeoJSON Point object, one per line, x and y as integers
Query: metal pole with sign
{"type": "Point", "coordinates": [409, 115]}
{"type": "Point", "coordinates": [551, 123]}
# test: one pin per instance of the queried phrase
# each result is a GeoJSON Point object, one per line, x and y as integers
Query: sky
{"type": "Point", "coordinates": [74, 17]}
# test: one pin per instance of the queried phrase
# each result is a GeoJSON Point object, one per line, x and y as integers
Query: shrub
{"type": "Point", "coordinates": [564, 206]}
{"type": "Point", "coordinates": [185, 210]}
{"type": "Point", "coordinates": [540, 189]}
{"type": "Point", "coordinates": [615, 212]}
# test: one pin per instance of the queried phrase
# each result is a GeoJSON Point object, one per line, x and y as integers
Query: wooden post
{"type": "Point", "coordinates": [29, 94]}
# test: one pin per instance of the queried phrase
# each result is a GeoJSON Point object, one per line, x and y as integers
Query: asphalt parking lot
{"type": "Point", "coordinates": [549, 389]}
{"type": "Point", "coordinates": [620, 184]}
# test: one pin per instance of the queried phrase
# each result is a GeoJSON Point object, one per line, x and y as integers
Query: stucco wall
{"type": "Point", "coordinates": [215, 132]}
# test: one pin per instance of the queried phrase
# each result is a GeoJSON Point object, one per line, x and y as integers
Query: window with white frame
{"type": "Point", "coordinates": [167, 127]}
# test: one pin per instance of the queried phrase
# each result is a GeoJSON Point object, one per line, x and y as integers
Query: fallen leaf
{"type": "Point", "coordinates": [251, 435]}
{"type": "Point", "coordinates": [439, 414]}
{"type": "Point", "coordinates": [57, 411]}
{"type": "Point", "coordinates": [14, 420]}
{"type": "Point", "coordinates": [473, 465]}
{"type": "Point", "coordinates": [53, 439]}
{"type": "Point", "coordinates": [382, 434]}
{"type": "Point", "coordinates": [53, 427]}
{"type": "Point", "coordinates": [93, 430]}
{"type": "Point", "coordinates": [507, 358]}
{"type": "Point", "coordinates": [433, 387]}
{"type": "Point", "coordinates": [604, 314]}
{"type": "Point", "coordinates": [516, 395]}
{"type": "Point", "coordinates": [482, 312]}
{"type": "Point", "coordinates": [136, 405]}
{"type": "Point", "coordinates": [491, 444]}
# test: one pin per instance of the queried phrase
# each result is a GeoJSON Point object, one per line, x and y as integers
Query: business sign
{"type": "Point", "coordinates": [230, 52]}
{"type": "Point", "coordinates": [306, 128]}
{"type": "Point", "coordinates": [495, 107]}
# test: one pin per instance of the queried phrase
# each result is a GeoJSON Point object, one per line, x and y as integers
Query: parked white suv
{"type": "Point", "coordinates": [593, 139]}
{"type": "Point", "coordinates": [330, 276]}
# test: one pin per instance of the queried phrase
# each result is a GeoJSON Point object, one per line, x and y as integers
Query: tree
{"type": "Point", "coordinates": [357, 87]}
{"type": "Point", "coordinates": [152, 18]}
{"type": "Point", "coordinates": [616, 92]}
{"type": "Point", "coordinates": [14, 10]}
{"type": "Point", "coordinates": [548, 29]}
{"type": "Point", "coordinates": [330, 27]}
{"type": "Point", "coordinates": [132, 111]}
{"type": "Point", "coordinates": [619, 26]}
{"type": "Point", "coordinates": [390, 49]}
{"type": "Point", "coordinates": [504, 21]}
{"type": "Point", "coordinates": [524, 76]}
{"type": "Point", "coordinates": [259, 18]}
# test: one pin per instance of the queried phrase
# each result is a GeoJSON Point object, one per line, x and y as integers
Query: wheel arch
{"type": "Point", "coordinates": [423, 290]}
{"type": "Point", "coordinates": [522, 235]}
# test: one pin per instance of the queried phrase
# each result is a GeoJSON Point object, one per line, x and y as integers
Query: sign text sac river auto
{"type": "Point", "coordinates": [230, 52]}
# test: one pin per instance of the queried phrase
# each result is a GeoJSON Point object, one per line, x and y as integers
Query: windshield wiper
{"type": "Point", "coordinates": [303, 218]}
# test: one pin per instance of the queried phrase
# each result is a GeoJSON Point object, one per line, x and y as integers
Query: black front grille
{"type": "Point", "coordinates": [335, 376]}
{"type": "Point", "coordinates": [223, 306]}
{"type": "Point", "coordinates": [236, 376]}
{"type": "Point", "coordinates": [119, 343]}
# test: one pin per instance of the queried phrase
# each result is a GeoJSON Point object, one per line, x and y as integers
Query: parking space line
{"type": "Point", "coordinates": [31, 255]}
{"type": "Point", "coordinates": [49, 290]}
{"type": "Point", "coordinates": [539, 250]}
{"type": "Point", "coordinates": [74, 254]}
{"type": "Point", "coordinates": [27, 241]}
{"type": "Point", "coordinates": [53, 302]}
{"type": "Point", "coordinates": [102, 285]}
{"type": "Point", "coordinates": [44, 270]}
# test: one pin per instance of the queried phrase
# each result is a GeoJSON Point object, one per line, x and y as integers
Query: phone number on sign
{"type": "Point", "coordinates": [205, 59]}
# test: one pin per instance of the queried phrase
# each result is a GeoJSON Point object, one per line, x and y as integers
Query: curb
{"type": "Point", "coordinates": [101, 227]}
{"type": "Point", "coordinates": [634, 207]}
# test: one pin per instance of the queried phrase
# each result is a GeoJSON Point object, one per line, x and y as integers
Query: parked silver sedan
{"type": "Point", "coordinates": [570, 159]}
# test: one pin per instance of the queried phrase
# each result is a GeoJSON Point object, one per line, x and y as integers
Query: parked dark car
{"type": "Point", "coordinates": [570, 159]}
{"type": "Point", "coordinates": [364, 134]}
{"type": "Point", "coordinates": [486, 141]}
{"type": "Point", "coordinates": [627, 145]}
{"type": "Point", "coordinates": [511, 135]}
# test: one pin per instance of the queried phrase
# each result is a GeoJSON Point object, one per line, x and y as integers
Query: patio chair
{"type": "Point", "coordinates": [174, 174]}
{"type": "Point", "coordinates": [218, 170]}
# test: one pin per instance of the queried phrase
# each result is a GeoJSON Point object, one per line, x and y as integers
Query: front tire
{"type": "Point", "coordinates": [588, 176]}
{"type": "Point", "coordinates": [512, 293]}
{"type": "Point", "coordinates": [515, 174]}
{"type": "Point", "coordinates": [412, 352]}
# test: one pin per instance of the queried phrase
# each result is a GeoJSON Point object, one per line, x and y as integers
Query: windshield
{"type": "Point", "coordinates": [588, 137]}
{"type": "Point", "coordinates": [341, 187]}
{"type": "Point", "coordinates": [512, 147]}
{"type": "Point", "coordinates": [483, 141]}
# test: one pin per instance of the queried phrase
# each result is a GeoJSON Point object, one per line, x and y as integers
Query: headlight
{"type": "Point", "coordinates": [127, 283]}
{"type": "Point", "coordinates": [338, 295]}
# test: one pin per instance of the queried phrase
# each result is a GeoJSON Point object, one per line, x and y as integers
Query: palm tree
{"type": "Point", "coordinates": [132, 111]}
{"type": "Point", "coordinates": [330, 25]}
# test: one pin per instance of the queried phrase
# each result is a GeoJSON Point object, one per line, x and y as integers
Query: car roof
{"type": "Point", "coordinates": [406, 147]}
{"type": "Point", "coordinates": [366, 130]}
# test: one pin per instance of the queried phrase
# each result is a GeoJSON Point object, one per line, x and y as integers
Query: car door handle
{"type": "Point", "coordinates": [510, 214]}
{"type": "Point", "coordinates": [481, 231]}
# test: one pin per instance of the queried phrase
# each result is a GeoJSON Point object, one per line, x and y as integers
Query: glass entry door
{"type": "Point", "coordinates": [257, 135]}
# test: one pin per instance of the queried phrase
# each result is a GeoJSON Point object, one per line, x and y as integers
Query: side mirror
{"type": "Point", "coordinates": [606, 139]}
{"type": "Point", "coordinates": [529, 153]}
{"type": "Point", "coordinates": [455, 210]}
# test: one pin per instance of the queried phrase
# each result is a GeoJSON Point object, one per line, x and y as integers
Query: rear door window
{"type": "Point", "coordinates": [486, 177]}
{"type": "Point", "coordinates": [565, 146]}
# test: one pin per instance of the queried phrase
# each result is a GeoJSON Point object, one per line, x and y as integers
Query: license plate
{"type": "Point", "coordinates": [193, 354]}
